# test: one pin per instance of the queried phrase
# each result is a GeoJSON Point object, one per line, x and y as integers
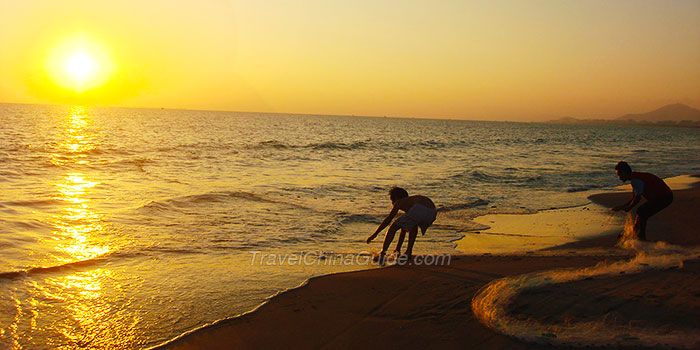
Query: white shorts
{"type": "Point", "coordinates": [419, 215]}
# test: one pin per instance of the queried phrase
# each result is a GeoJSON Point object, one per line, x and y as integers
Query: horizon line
{"type": "Point", "coordinates": [542, 119]}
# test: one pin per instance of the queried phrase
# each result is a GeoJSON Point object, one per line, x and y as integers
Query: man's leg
{"type": "Point", "coordinates": [640, 225]}
{"type": "Point", "coordinates": [646, 210]}
{"type": "Point", "coordinates": [402, 235]}
{"type": "Point", "coordinates": [411, 240]}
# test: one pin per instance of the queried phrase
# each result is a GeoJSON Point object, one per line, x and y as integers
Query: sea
{"type": "Point", "coordinates": [124, 228]}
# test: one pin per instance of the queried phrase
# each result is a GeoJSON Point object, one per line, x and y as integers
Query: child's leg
{"type": "Point", "coordinates": [402, 235]}
{"type": "Point", "coordinates": [411, 240]}
{"type": "Point", "coordinates": [389, 237]}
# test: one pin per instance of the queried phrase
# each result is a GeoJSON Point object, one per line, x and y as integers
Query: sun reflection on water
{"type": "Point", "coordinates": [77, 139]}
{"type": "Point", "coordinates": [80, 234]}
{"type": "Point", "coordinates": [78, 226]}
{"type": "Point", "coordinates": [92, 311]}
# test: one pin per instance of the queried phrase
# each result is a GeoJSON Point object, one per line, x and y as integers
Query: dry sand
{"type": "Point", "coordinates": [420, 306]}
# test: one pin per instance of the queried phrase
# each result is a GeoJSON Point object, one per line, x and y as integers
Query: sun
{"type": "Point", "coordinates": [79, 64]}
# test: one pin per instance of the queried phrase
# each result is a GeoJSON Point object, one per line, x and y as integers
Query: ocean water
{"type": "Point", "coordinates": [123, 228]}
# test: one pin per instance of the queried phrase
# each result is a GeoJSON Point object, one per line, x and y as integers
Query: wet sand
{"type": "Point", "coordinates": [420, 306]}
{"type": "Point", "coordinates": [658, 300]}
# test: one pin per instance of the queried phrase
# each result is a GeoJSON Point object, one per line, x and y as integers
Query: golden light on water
{"type": "Point", "coordinates": [77, 141]}
{"type": "Point", "coordinates": [79, 226]}
{"type": "Point", "coordinates": [78, 223]}
{"type": "Point", "coordinates": [83, 292]}
{"type": "Point", "coordinates": [74, 305]}
{"type": "Point", "coordinates": [80, 64]}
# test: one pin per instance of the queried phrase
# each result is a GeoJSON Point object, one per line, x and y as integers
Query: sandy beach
{"type": "Point", "coordinates": [611, 301]}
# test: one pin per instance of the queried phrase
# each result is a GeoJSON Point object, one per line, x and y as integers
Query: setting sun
{"type": "Point", "coordinates": [79, 64]}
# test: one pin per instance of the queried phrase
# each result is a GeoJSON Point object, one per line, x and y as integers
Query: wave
{"type": "Point", "coordinates": [337, 145]}
{"type": "Point", "coordinates": [157, 207]}
{"type": "Point", "coordinates": [196, 147]}
{"type": "Point", "coordinates": [364, 218]}
{"type": "Point", "coordinates": [133, 252]}
{"type": "Point", "coordinates": [35, 203]}
{"type": "Point", "coordinates": [5, 174]}
{"type": "Point", "coordinates": [491, 303]}
{"type": "Point", "coordinates": [460, 206]}
{"type": "Point", "coordinates": [62, 152]}
{"type": "Point", "coordinates": [272, 144]}
{"type": "Point", "coordinates": [40, 270]}
{"type": "Point", "coordinates": [583, 188]}
{"type": "Point", "coordinates": [269, 144]}
{"type": "Point", "coordinates": [482, 176]}
{"type": "Point", "coordinates": [137, 162]}
{"type": "Point", "coordinates": [170, 250]}
{"type": "Point", "coordinates": [31, 225]}
{"type": "Point", "coordinates": [357, 145]}
{"type": "Point", "coordinates": [176, 203]}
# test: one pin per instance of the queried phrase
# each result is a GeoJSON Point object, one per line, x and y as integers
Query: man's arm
{"type": "Point", "coordinates": [637, 191]}
{"type": "Point", "coordinates": [385, 223]}
{"type": "Point", "coordinates": [630, 204]}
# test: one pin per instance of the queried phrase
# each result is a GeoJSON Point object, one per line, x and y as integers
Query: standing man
{"type": "Point", "coordinates": [649, 186]}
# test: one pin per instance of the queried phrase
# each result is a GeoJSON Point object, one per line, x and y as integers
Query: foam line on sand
{"type": "Point", "coordinates": [491, 303]}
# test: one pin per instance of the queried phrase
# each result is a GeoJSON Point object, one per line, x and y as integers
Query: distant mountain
{"type": "Point", "coordinates": [675, 112]}
{"type": "Point", "coordinates": [675, 115]}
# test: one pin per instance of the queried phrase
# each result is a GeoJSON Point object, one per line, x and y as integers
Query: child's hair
{"type": "Point", "coordinates": [624, 167]}
{"type": "Point", "coordinates": [397, 193]}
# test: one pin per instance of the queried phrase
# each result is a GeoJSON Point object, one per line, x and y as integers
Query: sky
{"type": "Point", "coordinates": [484, 60]}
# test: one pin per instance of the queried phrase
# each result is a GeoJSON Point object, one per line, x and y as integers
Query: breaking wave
{"type": "Point", "coordinates": [583, 188]}
{"type": "Point", "coordinates": [272, 144]}
{"type": "Point", "coordinates": [475, 203]}
{"type": "Point", "coordinates": [183, 202]}
{"type": "Point", "coordinates": [56, 268]}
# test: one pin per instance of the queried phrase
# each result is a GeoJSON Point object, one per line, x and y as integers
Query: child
{"type": "Point", "coordinates": [420, 212]}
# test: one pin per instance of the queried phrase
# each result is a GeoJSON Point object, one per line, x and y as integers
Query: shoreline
{"type": "Point", "coordinates": [389, 307]}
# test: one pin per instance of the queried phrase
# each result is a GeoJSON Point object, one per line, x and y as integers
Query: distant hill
{"type": "Point", "coordinates": [675, 112]}
{"type": "Point", "coordinates": [675, 115]}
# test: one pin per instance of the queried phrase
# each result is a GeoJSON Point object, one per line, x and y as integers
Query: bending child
{"type": "Point", "coordinates": [419, 212]}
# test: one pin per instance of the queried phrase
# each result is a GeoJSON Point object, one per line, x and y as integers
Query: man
{"type": "Point", "coordinates": [652, 188]}
{"type": "Point", "coordinates": [420, 212]}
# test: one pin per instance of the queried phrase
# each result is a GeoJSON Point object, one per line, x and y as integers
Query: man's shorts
{"type": "Point", "coordinates": [419, 215]}
{"type": "Point", "coordinates": [654, 206]}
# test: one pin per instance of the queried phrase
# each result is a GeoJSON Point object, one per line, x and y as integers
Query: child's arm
{"type": "Point", "coordinates": [384, 223]}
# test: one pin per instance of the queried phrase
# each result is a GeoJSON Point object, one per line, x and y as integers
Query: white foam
{"type": "Point", "coordinates": [491, 303]}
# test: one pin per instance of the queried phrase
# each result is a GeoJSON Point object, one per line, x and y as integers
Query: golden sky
{"type": "Point", "coordinates": [513, 60]}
